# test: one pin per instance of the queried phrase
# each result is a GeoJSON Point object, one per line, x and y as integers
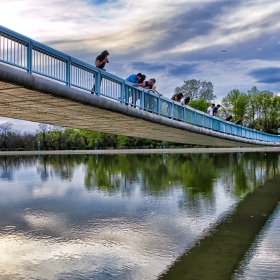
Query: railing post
{"type": "Point", "coordinates": [97, 83]}
{"type": "Point", "coordinates": [122, 91]}
{"type": "Point", "coordinates": [68, 72]}
{"type": "Point", "coordinates": [29, 57]}
{"type": "Point", "coordinates": [158, 105]}
{"type": "Point", "coordinates": [194, 118]}
{"type": "Point", "coordinates": [172, 111]}
{"type": "Point", "coordinates": [203, 120]}
{"type": "Point", "coordinates": [184, 114]}
{"type": "Point", "coordinates": [142, 100]}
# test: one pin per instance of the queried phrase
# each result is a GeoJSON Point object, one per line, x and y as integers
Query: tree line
{"type": "Point", "coordinates": [49, 137]}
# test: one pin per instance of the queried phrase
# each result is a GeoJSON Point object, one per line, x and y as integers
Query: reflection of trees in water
{"type": "Point", "coordinates": [198, 176]}
{"type": "Point", "coordinates": [11, 164]}
{"type": "Point", "coordinates": [247, 171]}
{"type": "Point", "coordinates": [61, 166]}
{"type": "Point", "coordinates": [7, 169]}
{"type": "Point", "coordinates": [112, 173]}
{"type": "Point", "coordinates": [155, 174]}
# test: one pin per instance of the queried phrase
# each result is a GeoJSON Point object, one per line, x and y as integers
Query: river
{"type": "Point", "coordinates": [129, 216]}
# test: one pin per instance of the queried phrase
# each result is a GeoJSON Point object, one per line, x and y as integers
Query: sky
{"type": "Point", "coordinates": [232, 43]}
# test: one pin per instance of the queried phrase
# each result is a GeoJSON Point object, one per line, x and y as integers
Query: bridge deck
{"type": "Point", "coordinates": [29, 97]}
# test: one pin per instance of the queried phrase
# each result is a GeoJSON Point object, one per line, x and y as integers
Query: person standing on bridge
{"type": "Point", "coordinates": [210, 109]}
{"type": "Point", "coordinates": [100, 63]}
{"type": "Point", "coordinates": [102, 59]}
{"type": "Point", "coordinates": [215, 110]}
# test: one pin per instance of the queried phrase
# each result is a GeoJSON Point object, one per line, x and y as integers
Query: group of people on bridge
{"type": "Point", "coordinates": [139, 80]}
{"type": "Point", "coordinates": [213, 111]}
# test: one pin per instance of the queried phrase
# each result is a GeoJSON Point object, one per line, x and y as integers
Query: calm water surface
{"type": "Point", "coordinates": [262, 261]}
{"type": "Point", "coordinates": [122, 216]}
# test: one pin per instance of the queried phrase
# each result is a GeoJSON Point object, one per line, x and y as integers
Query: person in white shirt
{"type": "Point", "coordinates": [210, 109]}
{"type": "Point", "coordinates": [185, 101]}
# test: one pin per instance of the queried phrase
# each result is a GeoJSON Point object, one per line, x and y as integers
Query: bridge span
{"type": "Point", "coordinates": [40, 84]}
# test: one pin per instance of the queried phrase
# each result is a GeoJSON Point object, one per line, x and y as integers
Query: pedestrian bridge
{"type": "Point", "coordinates": [40, 84]}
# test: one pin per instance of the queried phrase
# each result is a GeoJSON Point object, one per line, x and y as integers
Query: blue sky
{"type": "Point", "coordinates": [231, 43]}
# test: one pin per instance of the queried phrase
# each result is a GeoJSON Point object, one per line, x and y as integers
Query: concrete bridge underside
{"type": "Point", "coordinates": [29, 97]}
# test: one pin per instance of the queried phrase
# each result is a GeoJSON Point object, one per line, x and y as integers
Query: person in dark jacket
{"type": "Point", "coordinates": [215, 110]}
{"type": "Point", "coordinates": [100, 63]}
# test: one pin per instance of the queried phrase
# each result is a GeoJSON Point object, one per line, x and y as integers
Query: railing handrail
{"type": "Point", "coordinates": [64, 75]}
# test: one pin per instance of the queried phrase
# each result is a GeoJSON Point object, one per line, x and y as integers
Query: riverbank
{"type": "Point", "coordinates": [144, 151]}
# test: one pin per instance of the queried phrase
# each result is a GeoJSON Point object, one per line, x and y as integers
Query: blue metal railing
{"type": "Point", "coordinates": [36, 58]}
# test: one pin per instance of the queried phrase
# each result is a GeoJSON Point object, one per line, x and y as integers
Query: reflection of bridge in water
{"type": "Point", "coordinates": [56, 87]}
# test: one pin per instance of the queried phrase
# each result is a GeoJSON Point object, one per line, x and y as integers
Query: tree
{"type": "Point", "coordinates": [196, 89]}
{"type": "Point", "coordinates": [43, 129]}
{"type": "Point", "coordinates": [264, 105]}
{"type": "Point", "coordinates": [252, 107]}
{"type": "Point", "coordinates": [235, 103]}
{"type": "Point", "coordinates": [5, 129]}
{"type": "Point", "coordinates": [199, 104]}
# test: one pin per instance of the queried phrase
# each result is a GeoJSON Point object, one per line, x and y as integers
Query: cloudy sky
{"type": "Point", "coordinates": [231, 43]}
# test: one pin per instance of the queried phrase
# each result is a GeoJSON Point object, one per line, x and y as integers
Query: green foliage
{"type": "Point", "coordinates": [199, 104]}
{"type": "Point", "coordinates": [197, 89]}
{"type": "Point", "coordinates": [257, 109]}
{"type": "Point", "coordinates": [235, 103]}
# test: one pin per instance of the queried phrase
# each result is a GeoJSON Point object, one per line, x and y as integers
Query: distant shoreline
{"type": "Point", "coordinates": [143, 151]}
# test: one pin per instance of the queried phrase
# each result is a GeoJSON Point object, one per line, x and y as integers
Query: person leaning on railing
{"type": "Point", "coordinates": [185, 101]}
{"type": "Point", "coordinates": [141, 83]}
{"type": "Point", "coordinates": [135, 79]}
{"type": "Point", "coordinates": [100, 63]}
{"type": "Point", "coordinates": [149, 100]}
{"type": "Point", "coordinates": [175, 97]}
{"type": "Point", "coordinates": [154, 89]}
{"type": "Point", "coordinates": [228, 119]}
